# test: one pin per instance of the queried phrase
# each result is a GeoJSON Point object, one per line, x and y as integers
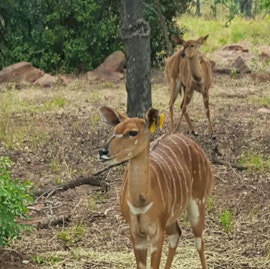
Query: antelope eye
{"type": "Point", "coordinates": [132, 133]}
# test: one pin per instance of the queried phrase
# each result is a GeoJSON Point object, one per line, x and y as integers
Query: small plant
{"type": "Point", "coordinates": [50, 260]}
{"type": "Point", "coordinates": [234, 73]}
{"type": "Point", "coordinates": [91, 204]}
{"type": "Point", "coordinates": [226, 220]}
{"type": "Point", "coordinates": [94, 120]}
{"type": "Point", "coordinates": [255, 162]}
{"type": "Point", "coordinates": [71, 234]}
{"type": "Point", "coordinates": [54, 165]}
{"type": "Point", "coordinates": [14, 197]}
{"type": "Point", "coordinates": [210, 203]}
{"type": "Point", "coordinates": [60, 102]}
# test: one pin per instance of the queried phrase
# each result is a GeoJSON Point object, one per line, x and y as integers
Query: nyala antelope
{"type": "Point", "coordinates": [162, 179]}
{"type": "Point", "coordinates": [187, 68]}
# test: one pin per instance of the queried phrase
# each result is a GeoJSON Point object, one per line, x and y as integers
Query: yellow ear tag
{"type": "Point", "coordinates": [161, 120]}
{"type": "Point", "coordinates": [152, 127]}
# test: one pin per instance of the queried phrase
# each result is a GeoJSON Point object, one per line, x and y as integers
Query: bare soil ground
{"type": "Point", "coordinates": [91, 233]}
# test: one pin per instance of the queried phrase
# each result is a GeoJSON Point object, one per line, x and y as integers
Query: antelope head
{"type": "Point", "coordinates": [130, 136]}
{"type": "Point", "coordinates": [190, 47]}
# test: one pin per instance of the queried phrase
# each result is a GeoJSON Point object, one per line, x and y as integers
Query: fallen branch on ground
{"type": "Point", "coordinates": [96, 179]}
{"type": "Point", "coordinates": [215, 160]}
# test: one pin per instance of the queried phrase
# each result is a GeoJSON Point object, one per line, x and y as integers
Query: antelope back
{"type": "Point", "coordinates": [172, 66]}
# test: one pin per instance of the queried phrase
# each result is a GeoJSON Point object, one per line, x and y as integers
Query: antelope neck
{"type": "Point", "coordinates": [139, 180]}
{"type": "Point", "coordinates": [195, 68]}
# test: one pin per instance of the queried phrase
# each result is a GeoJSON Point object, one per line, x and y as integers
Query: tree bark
{"type": "Point", "coordinates": [135, 33]}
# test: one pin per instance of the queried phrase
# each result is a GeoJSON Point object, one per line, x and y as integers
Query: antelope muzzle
{"type": "Point", "coordinates": [103, 154]}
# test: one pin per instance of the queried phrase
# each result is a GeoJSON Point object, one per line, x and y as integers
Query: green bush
{"type": "Point", "coordinates": [13, 200]}
{"type": "Point", "coordinates": [59, 36]}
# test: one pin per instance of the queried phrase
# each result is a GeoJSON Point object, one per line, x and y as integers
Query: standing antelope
{"type": "Point", "coordinates": [187, 68]}
{"type": "Point", "coordinates": [162, 179]}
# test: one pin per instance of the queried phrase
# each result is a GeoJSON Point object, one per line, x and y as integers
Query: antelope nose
{"type": "Point", "coordinates": [183, 55]}
{"type": "Point", "coordinates": [103, 154]}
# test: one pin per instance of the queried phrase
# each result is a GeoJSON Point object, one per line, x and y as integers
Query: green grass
{"type": "Point", "coordinates": [240, 30]}
{"type": "Point", "coordinates": [68, 236]}
{"type": "Point", "coordinates": [261, 101]}
{"type": "Point", "coordinates": [48, 260]}
{"type": "Point", "coordinates": [255, 162]}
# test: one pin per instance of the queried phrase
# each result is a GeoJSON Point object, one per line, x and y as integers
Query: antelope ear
{"type": "Point", "coordinates": [177, 40]}
{"type": "Point", "coordinates": [111, 116]}
{"type": "Point", "coordinates": [154, 119]}
{"type": "Point", "coordinates": [202, 39]}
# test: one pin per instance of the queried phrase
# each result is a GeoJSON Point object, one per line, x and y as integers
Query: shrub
{"type": "Point", "coordinates": [13, 200]}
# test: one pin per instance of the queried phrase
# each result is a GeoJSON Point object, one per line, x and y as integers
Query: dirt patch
{"type": "Point", "coordinates": [91, 232]}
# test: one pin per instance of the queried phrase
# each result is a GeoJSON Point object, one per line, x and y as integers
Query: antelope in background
{"type": "Point", "coordinates": [162, 179]}
{"type": "Point", "coordinates": [189, 70]}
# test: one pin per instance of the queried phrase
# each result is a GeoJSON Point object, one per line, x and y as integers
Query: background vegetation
{"type": "Point", "coordinates": [75, 36]}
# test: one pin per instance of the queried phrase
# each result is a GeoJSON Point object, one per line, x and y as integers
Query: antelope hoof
{"type": "Point", "coordinates": [213, 136]}
{"type": "Point", "coordinates": [194, 133]}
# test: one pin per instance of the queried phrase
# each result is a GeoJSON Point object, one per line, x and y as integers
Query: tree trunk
{"type": "Point", "coordinates": [198, 8]}
{"type": "Point", "coordinates": [135, 33]}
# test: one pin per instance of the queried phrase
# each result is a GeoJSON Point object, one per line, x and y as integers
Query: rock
{"type": "Point", "coordinates": [20, 72]}
{"type": "Point", "coordinates": [46, 81]}
{"type": "Point", "coordinates": [24, 72]}
{"type": "Point", "coordinates": [261, 76]}
{"type": "Point", "coordinates": [236, 47]}
{"type": "Point", "coordinates": [240, 66]}
{"type": "Point", "coordinates": [264, 52]}
{"type": "Point", "coordinates": [111, 70]}
{"type": "Point", "coordinates": [115, 62]}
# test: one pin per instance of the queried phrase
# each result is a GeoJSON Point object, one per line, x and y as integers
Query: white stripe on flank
{"type": "Point", "coordinates": [172, 158]}
{"type": "Point", "coordinates": [185, 143]}
{"type": "Point", "coordinates": [167, 174]}
{"type": "Point", "coordinates": [185, 171]}
{"type": "Point", "coordinates": [153, 168]}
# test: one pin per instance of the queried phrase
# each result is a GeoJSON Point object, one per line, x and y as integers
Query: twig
{"type": "Point", "coordinates": [215, 160]}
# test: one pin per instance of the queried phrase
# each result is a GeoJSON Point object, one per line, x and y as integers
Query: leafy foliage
{"type": "Point", "coordinates": [58, 35]}
{"type": "Point", "coordinates": [169, 10]}
{"type": "Point", "coordinates": [73, 36]}
{"type": "Point", "coordinates": [13, 199]}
